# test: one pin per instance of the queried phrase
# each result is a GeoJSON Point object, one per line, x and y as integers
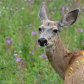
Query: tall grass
{"type": "Point", "coordinates": [18, 20]}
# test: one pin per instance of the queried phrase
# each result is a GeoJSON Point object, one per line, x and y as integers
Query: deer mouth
{"type": "Point", "coordinates": [45, 45]}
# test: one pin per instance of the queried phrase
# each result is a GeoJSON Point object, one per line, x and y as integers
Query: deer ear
{"type": "Point", "coordinates": [68, 19]}
{"type": "Point", "coordinates": [42, 13]}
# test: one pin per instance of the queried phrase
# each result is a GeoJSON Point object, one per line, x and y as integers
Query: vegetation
{"type": "Point", "coordinates": [22, 61]}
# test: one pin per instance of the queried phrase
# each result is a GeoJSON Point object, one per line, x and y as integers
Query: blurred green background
{"type": "Point", "coordinates": [22, 61]}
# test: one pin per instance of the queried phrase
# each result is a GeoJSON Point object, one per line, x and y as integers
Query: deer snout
{"type": "Point", "coordinates": [42, 42]}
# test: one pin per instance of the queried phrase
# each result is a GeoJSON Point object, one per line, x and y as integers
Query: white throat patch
{"type": "Point", "coordinates": [50, 49]}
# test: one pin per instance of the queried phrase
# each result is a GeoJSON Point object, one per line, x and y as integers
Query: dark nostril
{"type": "Point", "coordinates": [45, 41]}
{"type": "Point", "coordinates": [42, 41]}
{"type": "Point", "coordinates": [39, 41]}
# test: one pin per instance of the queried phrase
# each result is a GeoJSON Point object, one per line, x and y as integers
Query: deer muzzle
{"type": "Point", "coordinates": [42, 42]}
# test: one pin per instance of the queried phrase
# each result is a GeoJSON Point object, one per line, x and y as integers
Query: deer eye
{"type": "Point", "coordinates": [39, 29]}
{"type": "Point", "coordinates": [55, 30]}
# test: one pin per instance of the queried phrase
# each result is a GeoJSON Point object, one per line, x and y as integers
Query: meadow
{"type": "Point", "coordinates": [22, 61]}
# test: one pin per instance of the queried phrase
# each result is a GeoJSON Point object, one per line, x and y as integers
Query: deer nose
{"type": "Point", "coordinates": [42, 42]}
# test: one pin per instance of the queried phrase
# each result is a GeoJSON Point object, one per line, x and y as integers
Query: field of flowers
{"type": "Point", "coordinates": [22, 61]}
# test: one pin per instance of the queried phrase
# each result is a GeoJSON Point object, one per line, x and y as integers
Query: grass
{"type": "Point", "coordinates": [18, 19]}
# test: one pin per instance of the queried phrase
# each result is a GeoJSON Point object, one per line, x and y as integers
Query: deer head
{"type": "Point", "coordinates": [49, 30]}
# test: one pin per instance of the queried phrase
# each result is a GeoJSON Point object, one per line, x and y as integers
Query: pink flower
{"type": "Point", "coordinates": [22, 8]}
{"type": "Point", "coordinates": [11, 39]}
{"type": "Point", "coordinates": [19, 43]}
{"type": "Point", "coordinates": [20, 51]}
{"type": "Point", "coordinates": [18, 59]}
{"type": "Point", "coordinates": [41, 56]}
{"type": "Point", "coordinates": [76, 30]}
{"type": "Point", "coordinates": [54, 7]}
{"type": "Point", "coordinates": [73, 48]}
{"type": "Point", "coordinates": [12, 42]}
{"type": "Point", "coordinates": [32, 2]}
{"type": "Point", "coordinates": [15, 54]}
{"type": "Point", "coordinates": [33, 33]}
{"type": "Point", "coordinates": [67, 8]}
{"type": "Point", "coordinates": [14, 51]}
{"type": "Point", "coordinates": [63, 10]}
{"type": "Point", "coordinates": [81, 30]}
{"type": "Point", "coordinates": [44, 57]}
{"type": "Point", "coordinates": [32, 53]}
{"type": "Point", "coordinates": [8, 41]}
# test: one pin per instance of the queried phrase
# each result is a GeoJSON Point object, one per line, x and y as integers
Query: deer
{"type": "Point", "coordinates": [69, 65]}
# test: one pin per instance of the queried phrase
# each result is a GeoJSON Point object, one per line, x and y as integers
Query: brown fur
{"type": "Point", "coordinates": [53, 23]}
{"type": "Point", "coordinates": [62, 59]}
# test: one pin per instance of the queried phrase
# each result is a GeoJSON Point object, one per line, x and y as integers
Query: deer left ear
{"type": "Point", "coordinates": [68, 19]}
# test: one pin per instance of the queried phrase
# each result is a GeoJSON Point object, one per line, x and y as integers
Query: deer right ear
{"type": "Point", "coordinates": [42, 13]}
{"type": "Point", "coordinates": [68, 19]}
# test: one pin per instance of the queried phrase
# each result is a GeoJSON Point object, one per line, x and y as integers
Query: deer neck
{"type": "Point", "coordinates": [58, 57]}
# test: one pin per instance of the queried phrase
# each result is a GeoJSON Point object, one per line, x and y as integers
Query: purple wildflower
{"type": "Point", "coordinates": [22, 8]}
{"type": "Point", "coordinates": [63, 10]}
{"type": "Point", "coordinates": [81, 30]}
{"type": "Point", "coordinates": [11, 39]}
{"type": "Point", "coordinates": [54, 7]}
{"type": "Point", "coordinates": [14, 51]}
{"type": "Point", "coordinates": [83, 43]}
{"type": "Point", "coordinates": [19, 43]}
{"type": "Point", "coordinates": [12, 43]}
{"type": "Point", "coordinates": [73, 48]}
{"type": "Point", "coordinates": [76, 30]}
{"type": "Point", "coordinates": [20, 51]}
{"type": "Point", "coordinates": [32, 2]}
{"type": "Point", "coordinates": [17, 8]}
{"type": "Point", "coordinates": [44, 57]}
{"type": "Point", "coordinates": [67, 8]}
{"type": "Point", "coordinates": [18, 59]}
{"type": "Point", "coordinates": [41, 56]}
{"type": "Point", "coordinates": [16, 4]}
{"type": "Point", "coordinates": [15, 54]}
{"type": "Point", "coordinates": [29, 0]}
{"type": "Point", "coordinates": [8, 41]}
{"type": "Point", "coordinates": [32, 53]}
{"type": "Point", "coordinates": [33, 33]}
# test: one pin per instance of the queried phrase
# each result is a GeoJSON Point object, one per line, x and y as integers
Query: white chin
{"type": "Point", "coordinates": [43, 46]}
